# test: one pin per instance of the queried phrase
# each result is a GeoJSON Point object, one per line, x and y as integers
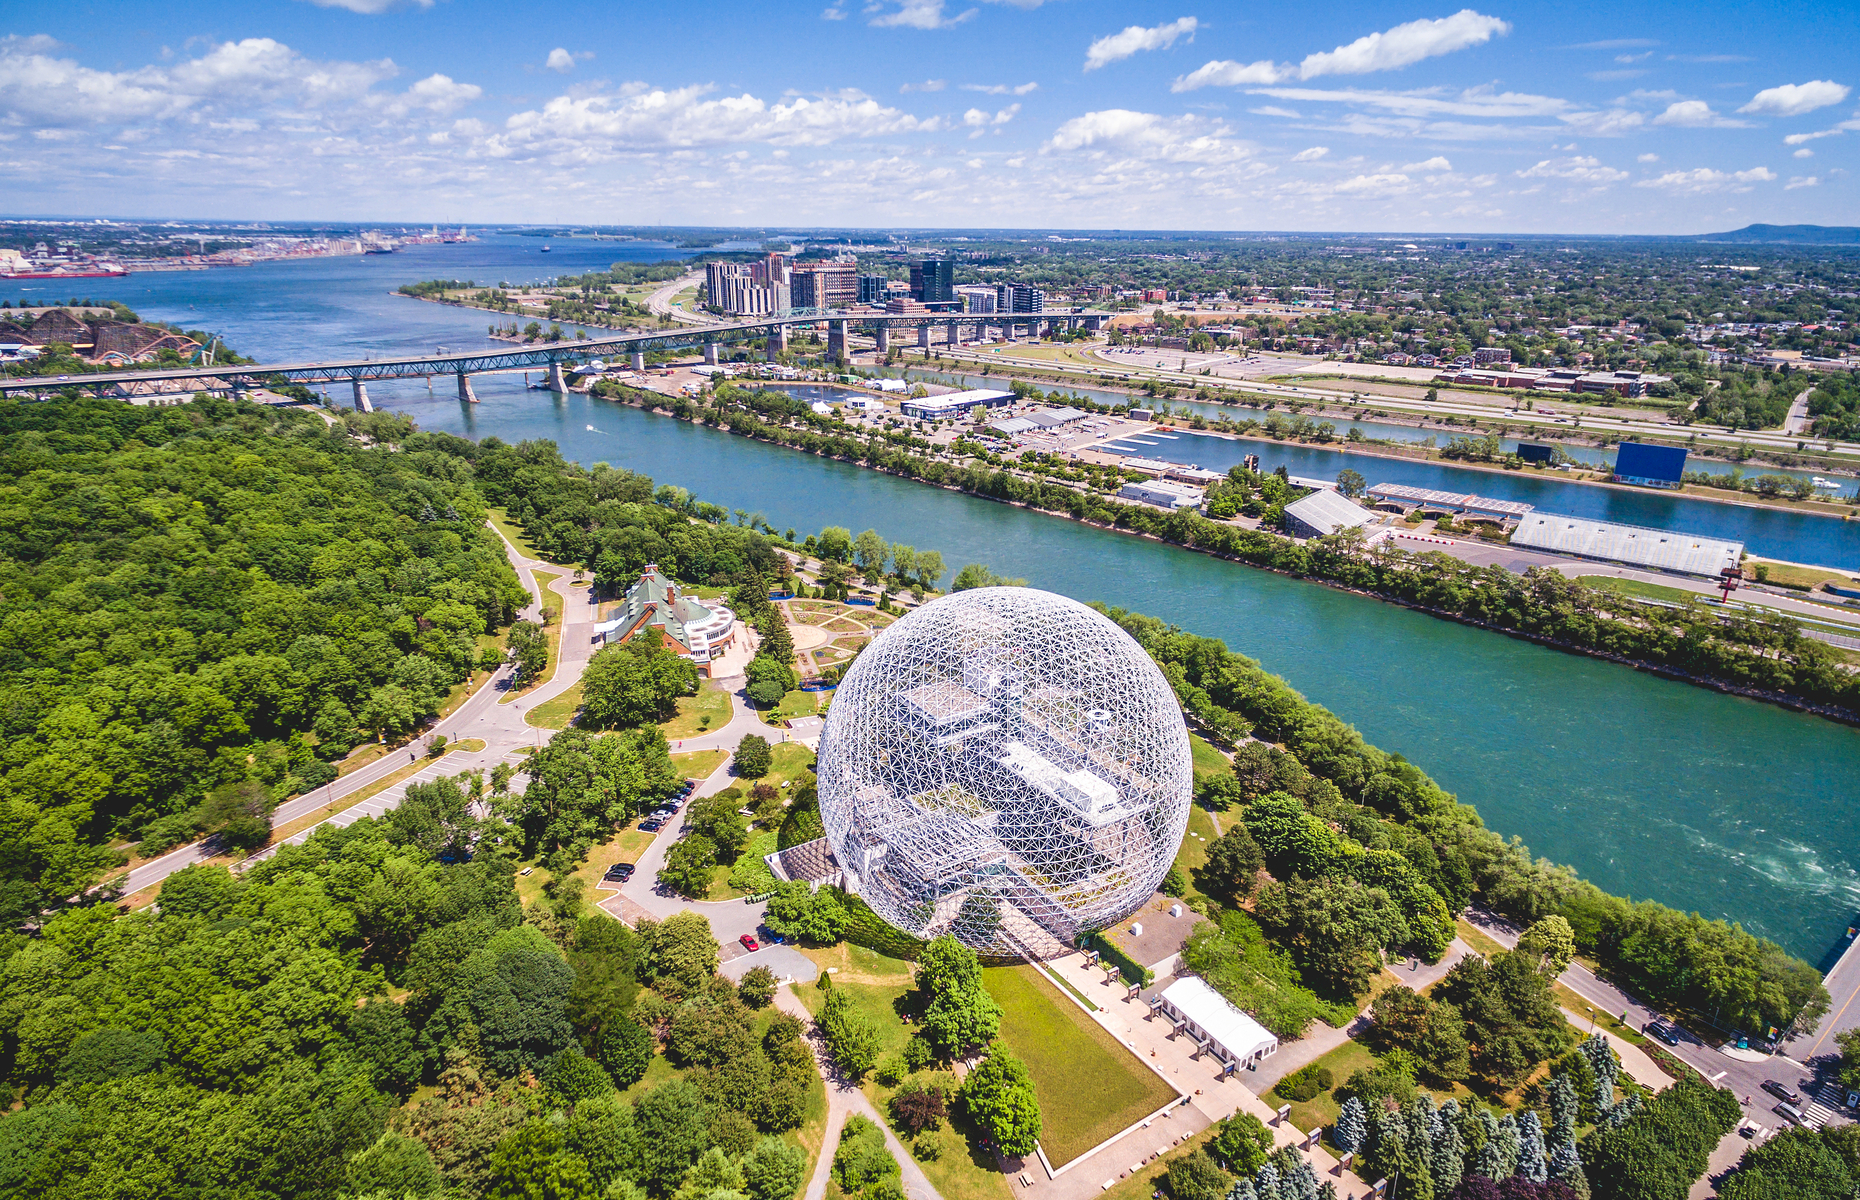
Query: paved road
{"type": "Point", "coordinates": [661, 301]}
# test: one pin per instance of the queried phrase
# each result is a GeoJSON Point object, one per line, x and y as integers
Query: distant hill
{"type": "Point", "coordinates": [1789, 235]}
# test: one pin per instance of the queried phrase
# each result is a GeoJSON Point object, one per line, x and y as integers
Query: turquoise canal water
{"type": "Point", "coordinates": [1650, 788]}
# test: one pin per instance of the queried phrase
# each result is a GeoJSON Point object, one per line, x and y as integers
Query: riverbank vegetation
{"type": "Point", "coordinates": [1764, 655]}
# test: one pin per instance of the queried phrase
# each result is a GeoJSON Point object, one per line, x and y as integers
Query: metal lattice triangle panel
{"type": "Point", "coordinates": [1006, 765]}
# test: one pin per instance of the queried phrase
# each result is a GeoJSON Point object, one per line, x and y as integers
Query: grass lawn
{"type": "Point", "coordinates": [1193, 854]}
{"type": "Point", "coordinates": [1800, 576]}
{"type": "Point", "coordinates": [710, 702]}
{"type": "Point", "coordinates": [1639, 589]}
{"type": "Point", "coordinates": [1322, 1109]}
{"type": "Point", "coordinates": [1208, 760]}
{"type": "Point", "coordinates": [1090, 1087]}
{"type": "Point", "coordinates": [796, 704]}
{"type": "Point", "coordinates": [1477, 938]}
{"type": "Point", "coordinates": [500, 521]}
{"type": "Point", "coordinates": [859, 964]}
{"type": "Point", "coordinates": [699, 763]}
{"type": "Point", "coordinates": [556, 713]}
{"type": "Point", "coordinates": [787, 761]}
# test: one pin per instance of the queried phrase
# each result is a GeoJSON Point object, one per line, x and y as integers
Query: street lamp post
{"type": "Point", "coordinates": [1591, 1020]}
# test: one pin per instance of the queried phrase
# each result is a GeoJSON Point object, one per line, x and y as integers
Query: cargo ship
{"type": "Point", "coordinates": [100, 271]}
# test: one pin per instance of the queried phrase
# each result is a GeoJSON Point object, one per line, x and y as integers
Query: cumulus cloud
{"type": "Point", "coordinates": [1696, 114]}
{"type": "Point", "coordinates": [1436, 163]}
{"type": "Point", "coordinates": [921, 14]}
{"type": "Point", "coordinates": [1804, 152]}
{"type": "Point", "coordinates": [1401, 46]}
{"type": "Point", "coordinates": [979, 121]}
{"type": "Point", "coordinates": [1794, 99]}
{"type": "Point", "coordinates": [928, 85]}
{"type": "Point", "coordinates": [1374, 186]}
{"type": "Point", "coordinates": [1473, 102]}
{"type": "Point", "coordinates": [601, 124]}
{"type": "Point", "coordinates": [1135, 39]}
{"type": "Point", "coordinates": [1311, 155]}
{"type": "Point", "coordinates": [1647, 158]}
{"type": "Point", "coordinates": [560, 60]}
{"type": "Point", "coordinates": [1582, 169]}
{"type": "Point", "coordinates": [1145, 135]}
{"type": "Point", "coordinates": [1705, 179]}
{"type": "Point", "coordinates": [1801, 181]}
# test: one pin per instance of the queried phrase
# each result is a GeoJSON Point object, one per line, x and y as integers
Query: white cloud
{"type": "Point", "coordinates": [560, 60]}
{"type": "Point", "coordinates": [976, 117]}
{"type": "Point", "coordinates": [1146, 136]}
{"type": "Point", "coordinates": [1611, 122]}
{"type": "Point", "coordinates": [1374, 186]}
{"type": "Point", "coordinates": [1801, 181]}
{"type": "Point", "coordinates": [1796, 139]}
{"type": "Point", "coordinates": [1135, 39]}
{"type": "Point", "coordinates": [1273, 110]}
{"type": "Point", "coordinates": [595, 126]}
{"type": "Point", "coordinates": [833, 12]}
{"type": "Point", "coordinates": [1474, 102]}
{"type": "Point", "coordinates": [1794, 99]}
{"type": "Point", "coordinates": [437, 94]}
{"type": "Point", "coordinates": [1311, 155]}
{"type": "Point", "coordinates": [1436, 163]}
{"type": "Point", "coordinates": [1582, 169]}
{"type": "Point", "coordinates": [1402, 46]}
{"type": "Point", "coordinates": [1705, 179]}
{"type": "Point", "coordinates": [1001, 89]}
{"type": "Point", "coordinates": [1696, 114]}
{"type": "Point", "coordinates": [1648, 158]}
{"type": "Point", "coordinates": [922, 14]}
{"type": "Point", "coordinates": [1804, 152]}
{"type": "Point", "coordinates": [928, 85]}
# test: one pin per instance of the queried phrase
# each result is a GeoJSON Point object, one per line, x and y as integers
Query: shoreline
{"type": "Point", "coordinates": [1782, 700]}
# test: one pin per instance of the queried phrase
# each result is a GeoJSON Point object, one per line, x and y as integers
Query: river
{"type": "Point", "coordinates": [1651, 788]}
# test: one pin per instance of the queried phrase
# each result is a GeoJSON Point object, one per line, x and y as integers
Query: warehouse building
{"type": "Point", "coordinates": [1662, 549]}
{"type": "Point", "coordinates": [1323, 513]}
{"type": "Point", "coordinates": [1162, 493]}
{"type": "Point", "coordinates": [951, 404]}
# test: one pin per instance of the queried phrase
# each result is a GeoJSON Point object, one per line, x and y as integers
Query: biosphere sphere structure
{"type": "Point", "coordinates": [1006, 765]}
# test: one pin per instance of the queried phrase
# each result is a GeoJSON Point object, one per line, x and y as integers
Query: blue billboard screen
{"type": "Point", "coordinates": [1664, 463]}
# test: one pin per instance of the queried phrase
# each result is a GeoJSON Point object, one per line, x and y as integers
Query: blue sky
{"type": "Point", "coordinates": [1522, 117]}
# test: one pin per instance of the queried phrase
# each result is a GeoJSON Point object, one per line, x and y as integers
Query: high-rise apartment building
{"type": "Point", "coordinates": [824, 285]}
{"type": "Point", "coordinates": [872, 289]}
{"type": "Point", "coordinates": [750, 289]}
{"type": "Point", "coordinates": [1019, 298]}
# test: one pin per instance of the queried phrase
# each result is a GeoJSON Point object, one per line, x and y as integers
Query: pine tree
{"type": "Point", "coordinates": [1242, 1190]}
{"type": "Point", "coordinates": [1563, 1109]}
{"type": "Point", "coordinates": [1301, 1183]}
{"type": "Point", "coordinates": [1447, 1162]}
{"type": "Point", "coordinates": [1418, 1120]}
{"type": "Point", "coordinates": [1352, 1126]}
{"type": "Point", "coordinates": [1267, 1183]}
{"type": "Point", "coordinates": [1531, 1148]}
{"type": "Point", "coordinates": [1508, 1146]}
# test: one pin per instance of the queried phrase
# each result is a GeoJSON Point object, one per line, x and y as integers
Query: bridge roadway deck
{"type": "Point", "coordinates": [535, 357]}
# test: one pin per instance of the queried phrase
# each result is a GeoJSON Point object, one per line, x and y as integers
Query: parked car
{"type": "Point", "coordinates": [651, 826]}
{"type": "Point", "coordinates": [1661, 1030]}
{"type": "Point", "coordinates": [1791, 1113]}
{"type": "Point", "coordinates": [1782, 1092]}
{"type": "Point", "coordinates": [749, 942]}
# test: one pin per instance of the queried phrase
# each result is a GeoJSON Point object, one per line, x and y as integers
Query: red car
{"type": "Point", "coordinates": [750, 943]}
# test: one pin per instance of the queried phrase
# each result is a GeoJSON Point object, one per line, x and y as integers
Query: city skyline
{"type": "Point", "coordinates": [926, 114]}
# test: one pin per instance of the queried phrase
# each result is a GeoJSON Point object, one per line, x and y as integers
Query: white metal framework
{"type": "Point", "coordinates": [1006, 765]}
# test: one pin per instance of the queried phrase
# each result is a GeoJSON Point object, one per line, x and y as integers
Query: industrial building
{"type": "Point", "coordinates": [1650, 466]}
{"type": "Point", "coordinates": [950, 404]}
{"type": "Point", "coordinates": [1401, 497]}
{"type": "Point", "coordinates": [1662, 549]}
{"type": "Point", "coordinates": [1323, 513]}
{"type": "Point", "coordinates": [1162, 493]}
{"type": "Point", "coordinates": [1215, 1024]}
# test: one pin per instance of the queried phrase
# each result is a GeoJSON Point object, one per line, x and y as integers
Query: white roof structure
{"type": "Point", "coordinates": [1666, 549]}
{"type": "Point", "coordinates": [1327, 512]}
{"type": "Point", "coordinates": [954, 402]}
{"type": "Point", "coordinates": [1238, 1036]}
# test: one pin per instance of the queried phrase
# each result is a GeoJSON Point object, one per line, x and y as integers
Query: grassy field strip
{"type": "Point", "coordinates": [552, 605]}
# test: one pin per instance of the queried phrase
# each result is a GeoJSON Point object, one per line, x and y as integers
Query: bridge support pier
{"type": "Point", "coordinates": [711, 350]}
{"type": "Point", "coordinates": [639, 360]}
{"type": "Point", "coordinates": [883, 337]}
{"type": "Point", "coordinates": [777, 343]}
{"type": "Point", "coordinates": [558, 382]}
{"type": "Point", "coordinates": [923, 337]}
{"type": "Point", "coordinates": [466, 395]}
{"type": "Point", "coordinates": [952, 333]}
{"type": "Point", "coordinates": [361, 397]}
{"type": "Point", "coordinates": [836, 341]}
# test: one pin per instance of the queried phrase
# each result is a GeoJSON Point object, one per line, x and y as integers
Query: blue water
{"type": "Point", "coordinates": [1650, 788]}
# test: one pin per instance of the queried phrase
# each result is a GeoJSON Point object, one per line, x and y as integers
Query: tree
{"type": "Point", "coordinates": [674, 1129]}
{"type": "Point", "coordinates": [583, 784]}
{"type": "Point", "coordinates": [1550, 943]}
{"type": "Point", "coordinates": [757, 987]}
{"type": "Point", "coordinates": [1352, 1126]}
{"type": "Point", "coordinates": [530, 1164]}
{"type": "Point", "coordinates": [919, 1106]}
{"type": "Point", "coordinates": [930, 569]}
{"type": "Point", "coordinates": [975, 575]}
{"type": "Point", "coordinates": [1244, 1142]}
{"type": "Point", "coordinates": [529, 651]}
{"type": "Point", "coordinates": [851, 1036]}
{"type": "Point", "coordinates": [1662, 1150]}
{"type": "Point", "coordinates": [396, 1165]}
{"type": "Point", "coordinates": [796, 910]}
{"type": "Point", "coordinates": [835, 544]}
{"type": "Point", "coordinates": [1196, 1176]}
{"type": "Point", "coordinates": [753, 757]}
{"type": "Point", "coordinates": [998, 1096]}
{"type": "Point", "coordinates": [1351, 483]}
{"type": "Point", "coordinates": [680, 947]}
{"type": "Point", "coordinates": [1234, 864]}
{"type": "Point", "coordinates": [689, 866]}
{"type": "Point", "coordinates": [774, 1170]}
{"type": "Point", "coordinates": [861, 1163]}
{"type": "Point", "coordinates": [626, 1051]}
{"type": "Point", "coordinates": [634, 683]}
{"type": "Point", "coordinates": [872, 553]}
{"type": "Point", "coordinates": [572, 1077]}
{"type": "Point", "coordinates": [958, 1012]}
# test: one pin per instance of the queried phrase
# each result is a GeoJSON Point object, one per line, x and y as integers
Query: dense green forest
{"type": "Point", "coordinates": [204, 595]}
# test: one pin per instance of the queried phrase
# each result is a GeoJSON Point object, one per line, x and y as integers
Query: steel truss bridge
{"type": "Point", "coordinates": [558, 357]}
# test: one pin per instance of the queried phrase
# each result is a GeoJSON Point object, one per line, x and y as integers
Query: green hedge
{"type": "Point", "coordinates": [1133, 971]}
{"type": "Point", "coordinates": [866, 928]}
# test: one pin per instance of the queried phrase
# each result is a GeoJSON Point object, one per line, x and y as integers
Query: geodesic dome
{"type": "Point", "coordinates": [1006, 765]}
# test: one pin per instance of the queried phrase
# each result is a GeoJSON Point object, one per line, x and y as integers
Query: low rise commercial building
{"type": "Point", "coordinates": [1324, 513]}
{"type": "Point", "coordinates": [1212, 1020]}
{"type": "Point", "coordinates": [1162, 493]}
{"type": "Point", "coordinates": [699, 630]}
{"type": "Point", "coordinates": [951, 404]}
{"type": "Point", "coordinates": [1610, 541]}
